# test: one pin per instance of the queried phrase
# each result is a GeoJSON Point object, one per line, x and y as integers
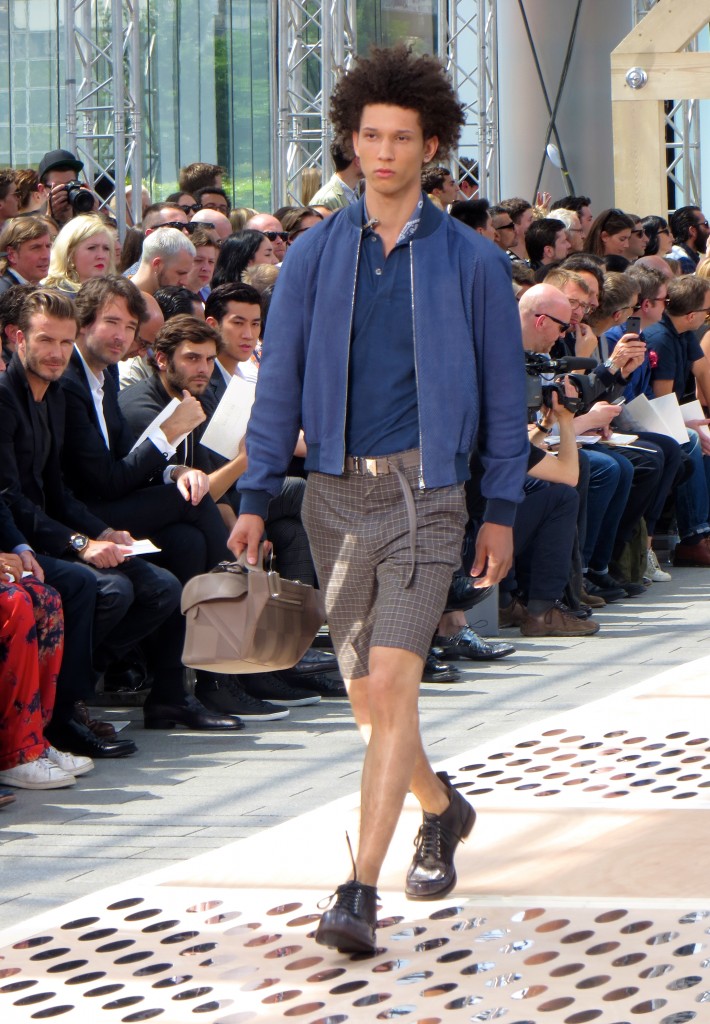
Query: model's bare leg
{"type": "Point", "coordinates": [385, 705]}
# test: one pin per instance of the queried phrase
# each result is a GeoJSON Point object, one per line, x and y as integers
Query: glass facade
{"type": "Point", "coordinates": [206, 68]}
{"type": "Point", "coordinates": [206, 74]}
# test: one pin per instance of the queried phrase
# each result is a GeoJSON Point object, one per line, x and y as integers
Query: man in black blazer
{"type": "Point", "coordinates": [137, 485]}
{"type": "Point", "coordinates": [133, 597]}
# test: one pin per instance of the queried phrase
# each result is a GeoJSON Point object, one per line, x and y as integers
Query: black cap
{"type": "Point", "coordinates": [59, 158]}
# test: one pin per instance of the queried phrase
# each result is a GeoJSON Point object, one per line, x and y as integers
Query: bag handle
{"type": "Point", "coordinates": [260, 561]}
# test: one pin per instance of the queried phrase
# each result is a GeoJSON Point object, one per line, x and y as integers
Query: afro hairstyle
{"type": "Point", "coordinates": [398, 78]}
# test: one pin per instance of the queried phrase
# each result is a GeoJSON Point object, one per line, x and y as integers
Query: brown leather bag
{"type": "Point", "coordinates": [242, 618]}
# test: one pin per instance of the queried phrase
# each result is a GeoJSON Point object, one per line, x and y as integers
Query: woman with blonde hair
{"type": "Point", "coordinates": [83, 249]}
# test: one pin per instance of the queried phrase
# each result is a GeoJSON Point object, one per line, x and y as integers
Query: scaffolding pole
{"type": "Point", "coordinates": [103, 95]}
{"type": "Point", "coordinates": [682, 130]}
{"type": "Point", "coordinates": [315, 43]}
{"type": "Point", "coordinates": [468, 47]}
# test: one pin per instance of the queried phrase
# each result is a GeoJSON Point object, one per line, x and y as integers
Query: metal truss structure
{"type": "Point", "coordinates": [315, 42]}
{"type": "Point", "coordinates": [468, 48]}
{"type": "Point", "coordinates": [682, 127]}
{"type": "Point", "coordinates": [103, 97]}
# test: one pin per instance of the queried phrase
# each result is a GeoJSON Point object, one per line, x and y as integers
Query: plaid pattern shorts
{"type": "Point", "coordinates": [358, 529]}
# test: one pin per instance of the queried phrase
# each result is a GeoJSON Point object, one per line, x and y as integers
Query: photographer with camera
{"type": "Point", "coordinates": [67, 196]}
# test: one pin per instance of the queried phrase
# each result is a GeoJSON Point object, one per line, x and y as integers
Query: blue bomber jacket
{"type": "Point", "coordinates": [468, 357]}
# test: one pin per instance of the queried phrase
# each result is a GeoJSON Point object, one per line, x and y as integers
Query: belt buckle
{"type": "Point", "coordinates": [363, 466]}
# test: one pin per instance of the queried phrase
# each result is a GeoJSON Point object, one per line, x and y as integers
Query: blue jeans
{"type": "Point", "coordinates": [609, 487]}
{"type": "Point", "coordinates": [692, 504]}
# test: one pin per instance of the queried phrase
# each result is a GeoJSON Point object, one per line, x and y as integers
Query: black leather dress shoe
{"type": "Point", "coordinates": [76, 738]}
{"type": "Point", "coordinates": [467, 644]}
{"type": "Point", "coordinates": [464, 595]}
{"type": "Point", "coordinates": [435, 672]}
{"type": "Point", "coordinates": [324, 684]}
{"type": "Point", "coordinates": [314, 661]}
{"type": "Point", "coordinates": [191, 714]}
{"type": "Point", "coordinates": [349, 926]}
{"type": "Point", "coordinates": [601, 584]}
{"type": "Point", "coordinates": [432, 873]}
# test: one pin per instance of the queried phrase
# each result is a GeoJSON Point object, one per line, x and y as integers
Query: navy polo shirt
{"type": "Point", "coordinates": [382, 412]}
{"type": "Point", "coordinates": [676, 353]}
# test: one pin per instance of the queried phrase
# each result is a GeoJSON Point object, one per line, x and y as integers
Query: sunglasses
{"type": "Point", "coordinates": [187, 208]}
{"type": "Point", "coordinates": [505, 227]}
{"type": "Point", "coordinates": [638, 231]}
{"type": "Point", "coordinates": [273, 235]}
{"type": "Point", "coordinates": [564, 327]}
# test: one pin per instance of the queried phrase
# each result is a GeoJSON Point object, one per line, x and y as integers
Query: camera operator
{"type": "Point", "coordinates": [67, 195]}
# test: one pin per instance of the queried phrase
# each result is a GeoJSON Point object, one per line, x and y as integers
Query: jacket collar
{"type": "Point", "coordinates": [431, 217]}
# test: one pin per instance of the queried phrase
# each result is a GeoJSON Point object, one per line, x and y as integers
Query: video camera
{"type": "Point", "coordinates": [80, 198]}
{"type": "Point", "coordinates": [539, 392]}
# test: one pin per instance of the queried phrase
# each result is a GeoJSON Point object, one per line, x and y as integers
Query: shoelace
{"type": "Point", "coordinates": [428, 840]}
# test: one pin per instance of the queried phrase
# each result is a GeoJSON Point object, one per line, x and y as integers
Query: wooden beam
{"type": "Point", "coordinates": [640, 157]}
{"type": "Point", "coordinates": [668, 26]}
{"type": "Point", "coordinates": [670, 76]}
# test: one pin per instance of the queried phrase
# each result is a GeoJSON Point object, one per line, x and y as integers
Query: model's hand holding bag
{"type": "Point", "coordinates": [242, 618]}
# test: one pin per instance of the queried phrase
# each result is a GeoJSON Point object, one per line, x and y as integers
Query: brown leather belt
{"type": "Point", "coordinates": [383, 466]}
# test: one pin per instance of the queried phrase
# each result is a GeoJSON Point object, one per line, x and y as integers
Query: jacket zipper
{"type": "Point", "coordinates": [416, 366]}
{"type": "Point", "coordinates": [350, 334]}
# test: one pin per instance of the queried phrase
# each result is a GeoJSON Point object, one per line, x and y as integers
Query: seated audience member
{"type": "Point", "coordinates": [581, 205]}
{"type": "Point", "coordinates": [238, 218]}
{"type": "Point", "coordinates": [242, 250]}
{"type": "Point", "coordinates": [468, 181]}
{"type": "Point", "coordinates": [298, 220]}
{"type": "Point", "coordinates": [658, 234]}
{"type": "Point", "coordinates": [342, 188]}
{"type": "Point", "coordinates": [274, 231]}
{"type": "Point", "coordinates": [438, 184]}
{"type": "Point", "coordinates": [83, 558]}
{"type": "Point", "coordinates": [638, 239]}
{"type": "Point", "coordinates": [11, 303]}
{"type": "Point", "coordinates": [131, 251]}
{"type": "Point", "coordinates": [26, 246]}
{"type": "Point", "coordinates": [135, 364]}
{"type": "Point", "coordinates": [235, 311]}
{"type": "Point", "coordinates": [31, 196]}
{"type": "Point", "coordinates": [164, 214]}
{"type": "Point", "coordinates": [658, 263]}
{"type": "Point", "coordinates": [212, 198]}
{"type": "Point", "coordinates": [679, 357]}
{"type": "Point", "coordinates": [31, 644]}
{"type": "Point", "coordinates": [168, 258]}
{"type": "Point", "coordinates": [206, 253]}
{"type": "Point", "coordinates": [506, 232]}
{"type": "Point", "coordinates": [546, 242]}
{"type": "Point", "coordinates": [200, 175]}
{"type": "Point", "coordinates": [186, 201]}
{"type": "Point", "coordinates": [580, 340]}
{"type": "Point", "coordinates": [185, 351]}
{"type": "Point", "coordinates": [477, 215]}
{"type": "Point", "coordinates": [83, 249]}
{"type": "Point", "coordinates": [311, 181]}
{"type": "Point", "coordinates": [521, 213]}
{"type": "Point", "coordinates": [217, 224]}
{"type": "Point", "coordinates": [609, 234]}
{"type": "Point", "coordinates": [573, 228]}
{"type": "Point", "coordinates": [690, 230]}
{"type": "Point", "coordinates": [175, 299]}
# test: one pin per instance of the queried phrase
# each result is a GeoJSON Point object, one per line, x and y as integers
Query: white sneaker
{"type": "Point", "coordinates": [38, 774]}
{"type": "Point", "coordinates": [653, 569]}
{"type": "Point", "coordinates": [72, 764]}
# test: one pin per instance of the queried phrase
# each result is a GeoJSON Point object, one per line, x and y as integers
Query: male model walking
{"type": "Point", "coordinates": [393, 339]}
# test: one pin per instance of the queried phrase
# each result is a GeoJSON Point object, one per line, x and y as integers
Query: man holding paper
{"type": "Point", "coordinates": [678, 357]}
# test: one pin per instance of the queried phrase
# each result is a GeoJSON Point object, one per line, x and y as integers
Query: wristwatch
{"type": "Point", "coordinates": [78, 542]}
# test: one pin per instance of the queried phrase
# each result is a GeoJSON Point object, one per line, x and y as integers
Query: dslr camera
{"type": "Point", "coordinates": [540, 391]}
{"type": "Point", "coordinates": [80, 198]}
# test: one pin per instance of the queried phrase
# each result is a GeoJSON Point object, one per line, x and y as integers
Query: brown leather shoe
{"type": "Point", "coordinates": [593, 600]}
{"type": "Point", "coordinates": [513, 615]}
{"type": "Point", "coordinates": [557, 621]}
{"type": "Point", "coordinates": [697, 555]}
{"type": "Point", "coordinates": [104, 730]}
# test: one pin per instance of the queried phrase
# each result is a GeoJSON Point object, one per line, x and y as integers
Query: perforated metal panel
{"type": "Point", "coordinates": [240, 956]}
